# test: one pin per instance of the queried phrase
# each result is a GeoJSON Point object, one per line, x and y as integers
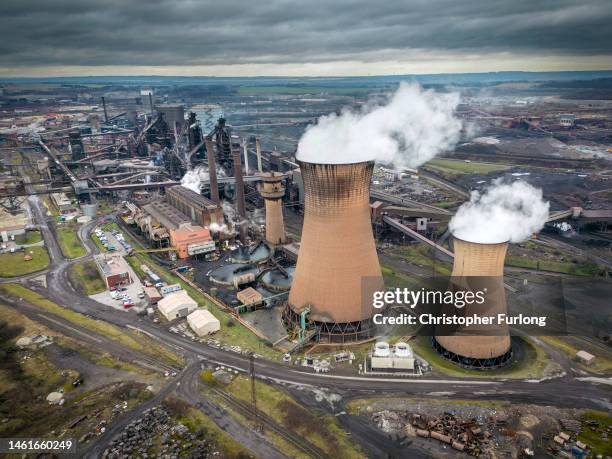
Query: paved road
{"type": "Point", "coordinates": [562, 392]}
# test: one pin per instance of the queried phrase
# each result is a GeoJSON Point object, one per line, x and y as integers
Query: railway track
{"type": "Point", "coordinates": [268, 423]}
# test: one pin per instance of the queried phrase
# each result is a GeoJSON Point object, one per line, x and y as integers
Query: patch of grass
{"type": "Point", "coordinates": [13, 264]}
{"type": "Point", "coordinates": [601, 365]}
{"type": "Point", "coordinates": [126, 337]}
{"type": "Point", "coordinates": [69, 241]}
{"type": "Point", "coordinates": [420, 255]}
{"type": "Point", "coordinates": [534, 364]}
{"type": "Point", "coordinates": [320, 429]}
{"type": "Point", "coordinates": [29, 237]}
{"type": "Point", "coordinates": [576, 268]}
{"type": "Point", "coordinates": [85, 278]}
{"type": "Point", "coordinates": [592, 436]}
{"type": "Point", "coordinates": [462, 167]}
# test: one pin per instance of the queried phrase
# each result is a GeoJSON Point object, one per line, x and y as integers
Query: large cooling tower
{"type": "Point", "coordinates": [479, 266]}
{"type": "Point", "coordinates": [337, 268]}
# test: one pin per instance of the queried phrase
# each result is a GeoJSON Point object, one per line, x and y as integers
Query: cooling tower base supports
{"type": "Point", "coordinates": [470, 362]}
{"type": "Point", "coordinates": [330, 332]}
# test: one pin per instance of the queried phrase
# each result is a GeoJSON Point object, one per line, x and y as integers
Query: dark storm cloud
{"type": "Point", "coordinates": [189, 32]}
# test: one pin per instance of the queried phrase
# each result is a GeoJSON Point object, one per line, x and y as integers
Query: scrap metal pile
{"type": "Point", "coordinates": [466, 436]}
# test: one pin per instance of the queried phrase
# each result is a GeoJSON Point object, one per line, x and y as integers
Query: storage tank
{"type": "Point", "coordinates": [337, 268]}
{"type": "Point", "coordinates": [89, 210]}
{"type": "Point", "coordinates": [484, 263]}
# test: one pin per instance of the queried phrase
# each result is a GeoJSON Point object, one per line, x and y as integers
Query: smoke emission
{"type": "Point", "coordinates": [194, 177]}
{"type": "Point", "coordinates": [503, 212]}
{"type": "Point", "coordinates": [408, 130]}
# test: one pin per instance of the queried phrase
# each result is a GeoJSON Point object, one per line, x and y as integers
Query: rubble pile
{"type": "Point", "coordinates": [156, 431]}
{"type": "Point", "coordinates": [469, 436]}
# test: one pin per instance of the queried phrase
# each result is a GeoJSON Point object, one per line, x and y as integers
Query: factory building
{"type": "Point", "coordinates": [203, 323]}
{"type": "Point", "coordinates": [337, 268]}
{"type": "Point", "coordinates": [114, 270]}
{"type": "Point", "coordinates": [173, 114]}
{"type": "Point", "coordinates": [177, 304]}
{"type": "Point", "coordinates": [272, 190]}
{"type": "Point", "coordinates": [185, 237]}
{"type": "Point", "coordinates": [478, 266]}
{"type": "Point", "coordinates": [63, 204]}
{"type": "Point", "coordinates": [198, 208]}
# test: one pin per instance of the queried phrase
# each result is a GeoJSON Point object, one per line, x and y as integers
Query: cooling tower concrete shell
{"type": "Point", "coordinates": [337, 251]}
{"type": "Point", "coordinates": [484, 262]}
{"type": "Point", "coordinates": [273, 190]}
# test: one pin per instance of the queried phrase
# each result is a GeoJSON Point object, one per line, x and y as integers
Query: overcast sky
{"type": "Point", "coordinates": [305, 37]}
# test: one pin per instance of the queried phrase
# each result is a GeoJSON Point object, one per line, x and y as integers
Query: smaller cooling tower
{"type": "Point", "coordinates": [273, 190]}
{"type": "Point", "coordinates": [480, 265]}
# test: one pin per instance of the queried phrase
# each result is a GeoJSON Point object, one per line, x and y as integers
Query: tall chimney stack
{"type": "Point", "coordinates": [240, 203]}
{"type": "Point", "coordinates": [105, 112]}
{"type": "Point", "coordinates": [258, 149]}
{"type": "Point", "coordinates": [212, 171]}
{"type": "Point", "coordinates": [337, 269]}
{"type": "Point", "coordinates": [245, 153]}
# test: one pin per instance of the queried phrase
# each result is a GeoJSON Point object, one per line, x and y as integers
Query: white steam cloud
{"type": "Point", "coordinates": [503, 212]}
{"type": "Point", "coordinates": [193, 178]}
{"type": "Point", "coordinates": [412, 127]}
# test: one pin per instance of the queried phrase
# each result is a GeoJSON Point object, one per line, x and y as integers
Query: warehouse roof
{"type": "Point", "coordinates": [176, 299]}
{"type": "Point", "coordinates": [195, 199]}
{"type": "Point", "coordinates": [201, 317]}
{"type": "Point", "coordinates": [168, 216]}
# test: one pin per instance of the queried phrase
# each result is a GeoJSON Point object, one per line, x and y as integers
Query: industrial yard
{"type": "Point", "coordinates": [176, 279]}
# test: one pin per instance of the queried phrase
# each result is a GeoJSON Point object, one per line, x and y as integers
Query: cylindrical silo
{"type": "Point", "coordinates": [337, 268]}
{"type": "Point", "coordinates": [272, 190]}
{"type": "Point", "coordinates": [478, 266]}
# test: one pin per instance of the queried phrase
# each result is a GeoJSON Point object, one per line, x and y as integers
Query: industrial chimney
{"type": "Point", "coordinates": [272, 190]}
{"type": "Point", "coordinates": [337, 269]}
{"type": "Point", "coordinates": [481, 266]}
{"type": "Point", "coordinates": [212, 170]}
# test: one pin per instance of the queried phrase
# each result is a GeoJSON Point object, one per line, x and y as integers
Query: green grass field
{"type": "Point", "coordinates": [576, 269]}
{"type": "Point", "coordinates": [592, 436]}
{"type": "Point", "coordinates": [13, 264]}
{"type": "Point", "coordinates": [461, 167]}
{"type": "Point", "coordinates": [86, 279]}
{"type": "Point", "coordinates": [69, 242]}
{"type": "Point", "coordinates": [29, 237]}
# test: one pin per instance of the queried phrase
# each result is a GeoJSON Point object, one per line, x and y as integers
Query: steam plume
{"type": "Point", "coordinates": [193, 178]}
{"type": "Point", "coordinates": [504, 212]}
{"type": "Point", "coordinates": [410, 129]}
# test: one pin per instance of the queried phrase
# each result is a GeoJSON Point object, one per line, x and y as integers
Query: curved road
{"type": "Point", "coordinates": [563, 392]}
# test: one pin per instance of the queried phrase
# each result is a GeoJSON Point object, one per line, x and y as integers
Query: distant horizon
{"type": "Point", "coordinates": [320, 77]}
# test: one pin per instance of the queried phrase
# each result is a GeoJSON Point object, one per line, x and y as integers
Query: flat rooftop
{"type": "Point", "coordinates": [195, 199]}
{"type": "Point", "coordinates": [111, 265]}
{"type": "Point", "coordinates": [167, 215]}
